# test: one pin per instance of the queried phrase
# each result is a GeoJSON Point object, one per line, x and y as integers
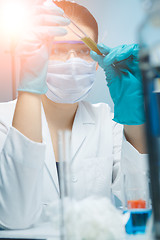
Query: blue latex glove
{"type": "Point", "coordinates": [123, 78]}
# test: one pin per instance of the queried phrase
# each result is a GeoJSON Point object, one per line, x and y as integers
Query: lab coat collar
{"type": "Point", "coordinates": [79, 132]}
{"type": "Point", "coordinates": [83, 117]}
{"type": "Point", "coordinates": [50, 161]}
{"type": "Point", "coordinates": [85, 112]}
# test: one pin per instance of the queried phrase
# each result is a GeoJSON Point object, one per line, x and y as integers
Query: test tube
{"type": "Point", "coordinates": [90, 43]}
{"type": "Point", "coordinates": [64, 156]}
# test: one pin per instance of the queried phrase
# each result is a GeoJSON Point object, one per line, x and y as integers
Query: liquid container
{"type": "Point", "coordinates": [91, 44]}
{"type": "Point", "coordinates": [137, 199]}
{"type": "Point", "coordinates": [138, 221]}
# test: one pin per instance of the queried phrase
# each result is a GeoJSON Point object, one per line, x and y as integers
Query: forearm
{"type": "Point", "coordinates": [25, 161]}
{"type": "Point", "coordinates": [27, 116]}
{"type": "Point", "coordinates": [135, 135]}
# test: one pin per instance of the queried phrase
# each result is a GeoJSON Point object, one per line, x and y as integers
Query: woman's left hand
{"type": "Point", "coordinates": [123, 78]}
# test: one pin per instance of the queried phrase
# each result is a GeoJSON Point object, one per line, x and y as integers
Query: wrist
{"type": "Point", "coordinates": [135, 135]}
{"type": "Point", "coordinates": [27, 116]}
{"type": "Point", "coordinates": [28, 95]}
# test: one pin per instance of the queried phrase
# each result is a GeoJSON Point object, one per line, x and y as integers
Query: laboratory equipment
{"type": "Point", "coordinates": [128, 101]}
{"type": "Point", "coordinates": [64, 151]}
{"type": "Point", "coordinates": [61, 50]}
{"type": "Point", "coordinates": [83, 36]}
{"type": "Point", "coordinates": [138, 221]}
{"type": "Point", "coordinates": [137, 200]}
{"type": "Point", "coordinates": [149, 39]}
{"type": "Point", "coordinates": [87, 217]}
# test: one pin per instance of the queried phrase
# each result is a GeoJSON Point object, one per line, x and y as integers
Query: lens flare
{"type": "Point", "coordinates": [14, 17]}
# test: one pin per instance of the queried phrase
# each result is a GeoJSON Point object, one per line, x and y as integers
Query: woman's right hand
{"type": "Point", "coordinates": [34, 48]}
{"type": "Point", "coordinates": [34, 51]}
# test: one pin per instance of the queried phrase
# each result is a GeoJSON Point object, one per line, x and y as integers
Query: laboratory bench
{"type": "Point", "coordinates": [45, 231]}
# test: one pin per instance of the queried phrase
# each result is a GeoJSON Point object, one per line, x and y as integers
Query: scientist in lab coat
{"type": "Point", "coordinates": [55, 77]}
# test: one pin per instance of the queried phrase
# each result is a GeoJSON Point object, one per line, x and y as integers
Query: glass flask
{"type": "Point", "coordinates": [137, 200]}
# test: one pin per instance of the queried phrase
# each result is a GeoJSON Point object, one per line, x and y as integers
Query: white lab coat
{"type": "Point", "coordinates": [28, 175]}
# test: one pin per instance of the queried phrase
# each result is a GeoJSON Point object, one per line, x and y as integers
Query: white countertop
{"type": "Point", "coordinates": [41, 231]}
{"type": "Point", "coordinates": [46, 231]}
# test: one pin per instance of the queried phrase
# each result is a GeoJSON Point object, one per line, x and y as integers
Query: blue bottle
{"type": "Point", "coordinates": [138, 221]}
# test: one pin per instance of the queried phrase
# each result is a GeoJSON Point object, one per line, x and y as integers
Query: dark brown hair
{"type": "Point", "coordinates": [79, 14]}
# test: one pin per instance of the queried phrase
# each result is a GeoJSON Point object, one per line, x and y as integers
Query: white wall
{"type": "Point", "coordinates": [118, 21]}
{"type": "Point", "coordinates": [5, 71]}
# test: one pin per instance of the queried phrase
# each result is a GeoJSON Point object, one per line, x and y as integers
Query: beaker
{"type": "Point", "coordinates": [137, 201]}
{"type": "Point", "coordinates": [65, 180]}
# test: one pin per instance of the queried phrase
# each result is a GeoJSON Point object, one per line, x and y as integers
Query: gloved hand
{"type": "Point", "coordinates": [35, 47]}
{"type": "Point", "coordinates": [124, 81]}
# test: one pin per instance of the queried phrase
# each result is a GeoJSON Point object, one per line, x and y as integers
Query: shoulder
{"type": "Point", "coordinates": [7, 111]}
{"type": "Point", "coordinates": [102, 116]}
{"type": "Point", "coordinates": [98, 110]}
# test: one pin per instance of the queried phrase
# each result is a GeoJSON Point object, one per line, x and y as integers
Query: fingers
{"type": "Point", "coordinates": [128, 51]}
{"type": "Point", "coordinates": [48, 33]}
{"type": "Point", "coordinates": [97, 58]}
{"type": "Point", "coordinates": [103, 49]}
{"type": "Point", "coordinates": [40, 34]}
{"type": "Point", "coordinates": [94, 55]}
{"type": "Point", "coordinates": [48, 16]}
{"type": "Point", "coordinates": [136, 49]}
{"type": "Point", "coordinates": [45, 24]}
{"type": "Point", "coordinates": [49, 20]}
{"type": "Point", "coordinates": [53, 10]}
{"type": "Point", "coordinates": [115, 55]}
{"type": "Point", "coordinates": [110, 58]}
{"type": "Point", "coordinates": [121, 53]}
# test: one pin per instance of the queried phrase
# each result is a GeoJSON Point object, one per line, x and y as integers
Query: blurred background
{"type": "Point", "coordinates": [118, 24]}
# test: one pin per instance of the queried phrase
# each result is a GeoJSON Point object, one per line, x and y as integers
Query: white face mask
{"type": "Point", "coordinates": [70, 81]}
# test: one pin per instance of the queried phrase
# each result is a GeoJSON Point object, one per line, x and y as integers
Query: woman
{"type": "Point", "coordinates": [49, 100]}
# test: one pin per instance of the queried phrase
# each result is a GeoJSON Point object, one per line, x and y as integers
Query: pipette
{"type": "Point", "coordinates": [84, 37]}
